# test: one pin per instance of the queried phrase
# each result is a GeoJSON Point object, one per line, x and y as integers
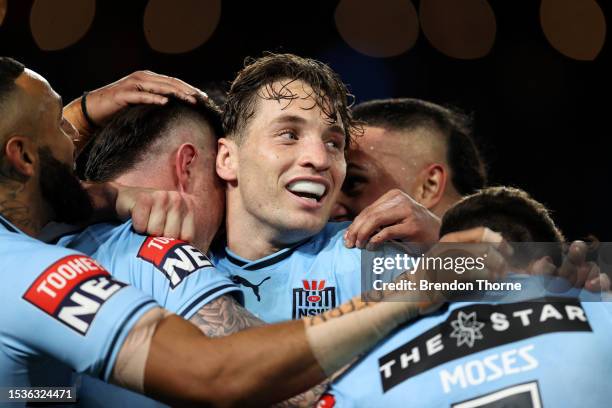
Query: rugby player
{"type": "Point", "coordinates": [171, 147]}
{"type": "Point", "coordinates": [522, 351]}
{"type": "Point", "coordinates": [287, 125]}
{"type": "Point", "coordinates": [414, 160]}
{"type": "Point", "coordinates": [103, 327]}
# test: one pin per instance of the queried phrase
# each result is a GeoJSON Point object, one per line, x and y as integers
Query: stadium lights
{"type": "Point", "coordinates": [463, 29]}
{"type": "Point", "coordinates": [2, 10]}
{"type": "Point", "coordinates": [57, 24]}
{"type": "Point", "coordinates": [384, 28]}
{"type": "Point", "coordinates": [181, 25]}
{"type": "Point", "coordinates": [577, 29]}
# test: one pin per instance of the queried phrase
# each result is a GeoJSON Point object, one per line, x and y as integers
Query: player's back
{"type": "Point", "coordinates": [551, 351]}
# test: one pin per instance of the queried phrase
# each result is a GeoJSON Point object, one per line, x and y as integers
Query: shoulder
{"type": "Point", "coordinates": [330, 237]}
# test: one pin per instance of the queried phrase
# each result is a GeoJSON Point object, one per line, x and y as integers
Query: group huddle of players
{"type": "Point", "coordinates": [236, 279]}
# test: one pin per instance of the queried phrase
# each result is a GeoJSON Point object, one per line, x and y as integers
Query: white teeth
{"type": "Point", "coordinates": [309, 187]}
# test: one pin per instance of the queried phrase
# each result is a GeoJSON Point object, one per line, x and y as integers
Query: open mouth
{"type": "Point", "coordinates": [309, 190]}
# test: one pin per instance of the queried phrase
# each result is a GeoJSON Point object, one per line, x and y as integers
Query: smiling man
{"type": "Point", "coordinates": [287, 125]}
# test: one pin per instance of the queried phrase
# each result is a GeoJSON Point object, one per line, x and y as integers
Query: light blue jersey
{"type": "Point", "coordinates": [547, 352]}
{"type": "Point", "coordinates": [177, 275]}
{"type": "Point", "coordinates": [304, 280]}
{"type": "Point", "coordinates": [59, 311]}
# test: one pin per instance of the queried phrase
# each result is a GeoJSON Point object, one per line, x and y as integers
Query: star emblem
{"type": "Point", "coordinates": [466, 329]}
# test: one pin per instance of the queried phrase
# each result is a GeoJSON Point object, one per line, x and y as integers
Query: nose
{"type": "Point", "coordinates": [316, 155]}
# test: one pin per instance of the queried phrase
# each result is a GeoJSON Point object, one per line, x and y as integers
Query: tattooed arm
{"type": "Point", "coordinates": [224, 316]}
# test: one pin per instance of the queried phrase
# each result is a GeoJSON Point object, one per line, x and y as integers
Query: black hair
{"type": "Point", "coordinates": [329, 93]}
{"type": "Point", "coordinates": [511, 212]}
{"type": "Point", "coordinates": [126, 139]}
{"type": "Point", "coordinates": [404, 114]}
{"type": "Point", "coordinates": [9, 71]}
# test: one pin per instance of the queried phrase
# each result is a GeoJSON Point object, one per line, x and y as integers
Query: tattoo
{"type": "Point", "coordinates": [306, 399]}
{"type": "Point", "coordinates": [224, 316]}
{"type": "Point", "coordinates": [351, 306]}
{"type": "Point", "coordinates": [17, 212]}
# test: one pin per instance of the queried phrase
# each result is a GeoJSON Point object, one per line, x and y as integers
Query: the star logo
{"type": "Point", "coordinates": [466, 329]}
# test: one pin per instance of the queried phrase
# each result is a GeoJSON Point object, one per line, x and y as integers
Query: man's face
{"type": "Point", "coordinates": [52, 129]}
{"type": "Point", "coordinates": [59, 187]}
{"type": "Point", "coordinates": [290, 164]}
{"type": "Point", "coordinates": [378, 161]}
{"type": "Point", "coordinates": [61, 190]}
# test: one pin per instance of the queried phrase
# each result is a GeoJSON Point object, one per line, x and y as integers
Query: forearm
{"type": "Point", "coordinates": [224, 316]}
{"type": "Point", "coordinates": [255, 367]}
{"type": "Point", "coordinates": [263, 365]}
{"type": "Point", "coordinates": [74, 114]}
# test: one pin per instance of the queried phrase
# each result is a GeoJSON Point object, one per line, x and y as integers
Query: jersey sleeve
{"type": "Point", "coordinates": [181, 277]}
{"type": "Point", "coordinates": [67, 306]}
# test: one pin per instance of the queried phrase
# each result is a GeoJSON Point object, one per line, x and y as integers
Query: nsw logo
{"type": "Point", "coordinates": [313, 298]}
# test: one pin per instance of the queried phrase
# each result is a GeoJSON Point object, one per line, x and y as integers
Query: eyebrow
{"type": "Point", "coordinates": [288, 118]}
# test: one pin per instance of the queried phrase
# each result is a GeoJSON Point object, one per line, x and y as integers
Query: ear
{"type": "Point", "coordinates": [185, 158]}
{"type": "Point", "coordinates": [21, 155]}
{"type": "Point", "coordinates": [227, 159]}
{"type": "Point", "coordinates": [431, 185]}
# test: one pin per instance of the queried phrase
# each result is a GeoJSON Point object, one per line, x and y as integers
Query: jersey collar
{"type": "Point", "coordinates": [6, 224]}
{"type": "Point", "coordinates": [264, 262]}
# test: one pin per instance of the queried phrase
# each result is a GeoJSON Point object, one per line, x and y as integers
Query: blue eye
{"type": "Point", "coordinates": [288, 134]}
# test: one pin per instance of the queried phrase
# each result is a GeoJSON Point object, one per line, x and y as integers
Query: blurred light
{"type": "Point", "coordinates": [384, 28]}
{"type": "Point", "coordinates": [575, 28]}
{"type": "Point", "coordinates": [178, 26]}
{"type": "Point", "coordinates": [462, 29]}
{"type": "Point", "coordinates": [2, 11]}
{"type": "Point", "coordinates": [57, 24]}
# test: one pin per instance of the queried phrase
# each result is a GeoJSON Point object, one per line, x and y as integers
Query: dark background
{"type": "Point", "coordinates": [542, 119]}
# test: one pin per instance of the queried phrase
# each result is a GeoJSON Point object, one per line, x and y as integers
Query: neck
{"type": "Point", "coordinates": [248, 237]}
{"type": "Point", "coordinates": [16, 206]}
{"type": "Point", "coordinates": [249, 240]}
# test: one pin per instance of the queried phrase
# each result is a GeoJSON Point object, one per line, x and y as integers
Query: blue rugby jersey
{"type": "Point", "coordinates": [306, 279]}
{"type": "Point", "coordinates": [547, 352]}
{"type": "Point", "coordinates": [177, 275]}
{"type": "Point", "coordinates": [59, 311]}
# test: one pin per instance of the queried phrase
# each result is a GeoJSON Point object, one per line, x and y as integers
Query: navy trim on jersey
{"type": "Point", "coordinates": [255, 265]}
{"type": "Point", "coordinates": [118, 333]}
{"type": "Point", "coordinates": [8, 225]}
{"type": "Point", "coordinates": [211, 292]}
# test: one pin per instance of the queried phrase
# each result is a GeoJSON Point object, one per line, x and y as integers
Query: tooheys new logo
{"type": "Point", "coordinates": [72, 290]}
{"type": "Point", "coordinates": [176, 259]}
{"type": "Point", "coordinates": [313, 298]}
{"type": "Point", "coordinates": [475, 328]}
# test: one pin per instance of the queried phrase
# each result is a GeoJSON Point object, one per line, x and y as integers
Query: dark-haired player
{"type": "Point", "coordinates": [287, 126]}
{"type": "Point", "coordinates": [414, 160]}
{"type": "Point", "coordinates": [169, 147]}
{"type": "Point", "coordinates": [62, 311]}
{"type": "Point", "coordinates": [523, 352]}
